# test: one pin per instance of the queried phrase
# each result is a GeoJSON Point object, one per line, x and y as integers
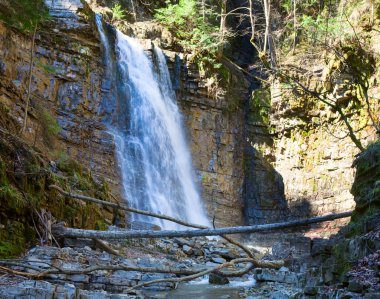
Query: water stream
{"type": "Point", "coordinates": [152, 151]}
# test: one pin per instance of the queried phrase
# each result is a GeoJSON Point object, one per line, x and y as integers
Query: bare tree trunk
{"type": "Point", "coordinates": [203, 10]}
{"type": "Point", "coordinates": [222, 30]}
{"type": "Point", "coordinates": [267, 23]}
{"type": "Point", "coordinates": [294, 24]}
{"type": "Point", "coordinates": [29, 80]}
{"type": "Point", "coordinates": [61, 231]}
{"type": "Point", "coordinates": [253, 23]}
{"type": "Point", "coordinates": [134, 11]}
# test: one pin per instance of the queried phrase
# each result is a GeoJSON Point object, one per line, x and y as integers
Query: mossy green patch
{"type": "Point", "coordinates": [12, 239]}
{"type": "Point", "coordinates": [24, 181]}
{"type": "Point", "coordinates": [343, 265]}
{"type": "Point", "coordinates": [23, 14]}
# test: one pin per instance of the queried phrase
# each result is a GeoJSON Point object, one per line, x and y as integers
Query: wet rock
{"type": "Point", "coordinates": [2, 68]}
{"type": "Point", "coordinates": [216, 278]}
{"type": "Point", "coordinates": [321, 246]}
{"type": "Point", "coordinates": [348, 295]}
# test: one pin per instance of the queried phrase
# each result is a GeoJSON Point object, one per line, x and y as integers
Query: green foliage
{"type": "Point", "coordinates": [50, 69]}
{"type": "Point", "coordinates": [68, 165]}
{"type": "Point", "coordinates": [12, 239]}
{"type": "Point", "coordinates": [24, 190]}
{"type": "Point", "coordinates": [118, 12]}
{"type": "Point", "coordinates": [197, 34]}
{"type": "Point", "coordinates": [11, 197]}
{"type": "Point", "coordinates": [23, 14]}
{"type": "Point", "coordinates": [340, 252]}
{"type": "Point", "coordinates": [260, 105]}
{"type": "Point", "coordinates": [49, 125]}
{"type": "Point", "coordinates": [316, 22]}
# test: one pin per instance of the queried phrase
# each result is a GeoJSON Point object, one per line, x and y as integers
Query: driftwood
{"type": "Point", "coordinates": [40, 273]}
{"type": "Point", "coordinates": [60, 231]}
{"type": "Point", "coordinates": [102, 245]}
{"type": "Point", "coordinates": [194, 276]}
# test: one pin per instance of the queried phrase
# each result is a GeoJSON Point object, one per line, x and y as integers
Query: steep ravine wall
{"type": "Point", "coordinates": [66, 83]}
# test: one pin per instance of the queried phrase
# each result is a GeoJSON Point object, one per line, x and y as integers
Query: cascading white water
{"type": "Point", "coordinates": [152, 151]}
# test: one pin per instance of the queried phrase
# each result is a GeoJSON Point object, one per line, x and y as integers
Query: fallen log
{"type": "Point", "coordinates": [60, 231]}
{"type": "Point", "coordinates": [146, 213]}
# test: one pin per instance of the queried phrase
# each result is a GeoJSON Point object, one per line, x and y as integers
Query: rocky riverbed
{"type": "Point", "coordinates": [113, 277]}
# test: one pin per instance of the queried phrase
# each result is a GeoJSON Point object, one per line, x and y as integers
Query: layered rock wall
{"type": "Point", "coordinates": [65, 85]}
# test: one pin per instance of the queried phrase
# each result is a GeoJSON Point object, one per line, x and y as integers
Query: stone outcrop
{"type": "Point", "coordinates": [216, 132]}
{"type": "Point", "coordinates": [66, 84]}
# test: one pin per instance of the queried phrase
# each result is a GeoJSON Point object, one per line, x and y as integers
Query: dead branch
{"type": "Point", "coordinates": [194, 276]}
{"type": "Point", "coordinates": [121, 207]}
{"type": "Point", "coordinates": [61, 231]}
{"type": "Point", "coordinates": [164, 269]}
{"type": "Point", "coordinates": [102, 245]}
{"type": "Point", "coordinates": [25, 274]}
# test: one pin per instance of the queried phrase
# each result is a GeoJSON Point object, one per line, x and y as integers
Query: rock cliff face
{"type": "Point", "coordinates": [216, 133]}
{"type": "Point", "coordinates": [66, 83]}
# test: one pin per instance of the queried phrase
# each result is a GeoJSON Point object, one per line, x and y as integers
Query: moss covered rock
{"type": "Point", "coordinates": [366, 187]}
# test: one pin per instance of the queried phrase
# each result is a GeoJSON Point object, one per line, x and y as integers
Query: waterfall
{"type": "Point", "coordinates": [154, 157]}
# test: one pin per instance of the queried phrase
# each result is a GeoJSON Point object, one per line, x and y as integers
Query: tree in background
{"type": "Point", "coordinates": [321, 30]}
{"type": "Point", "coordinates": [199, 26]}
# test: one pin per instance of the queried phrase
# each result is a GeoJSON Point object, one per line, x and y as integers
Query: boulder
{"type": "Point", "coordinates": [187, 249]}
{"type": "Point", "coordinates": [217, 278]}
{"type": "Point", "coordinates": [276, 276]}
{"type": "Point", "coordinates": [310, 291]}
